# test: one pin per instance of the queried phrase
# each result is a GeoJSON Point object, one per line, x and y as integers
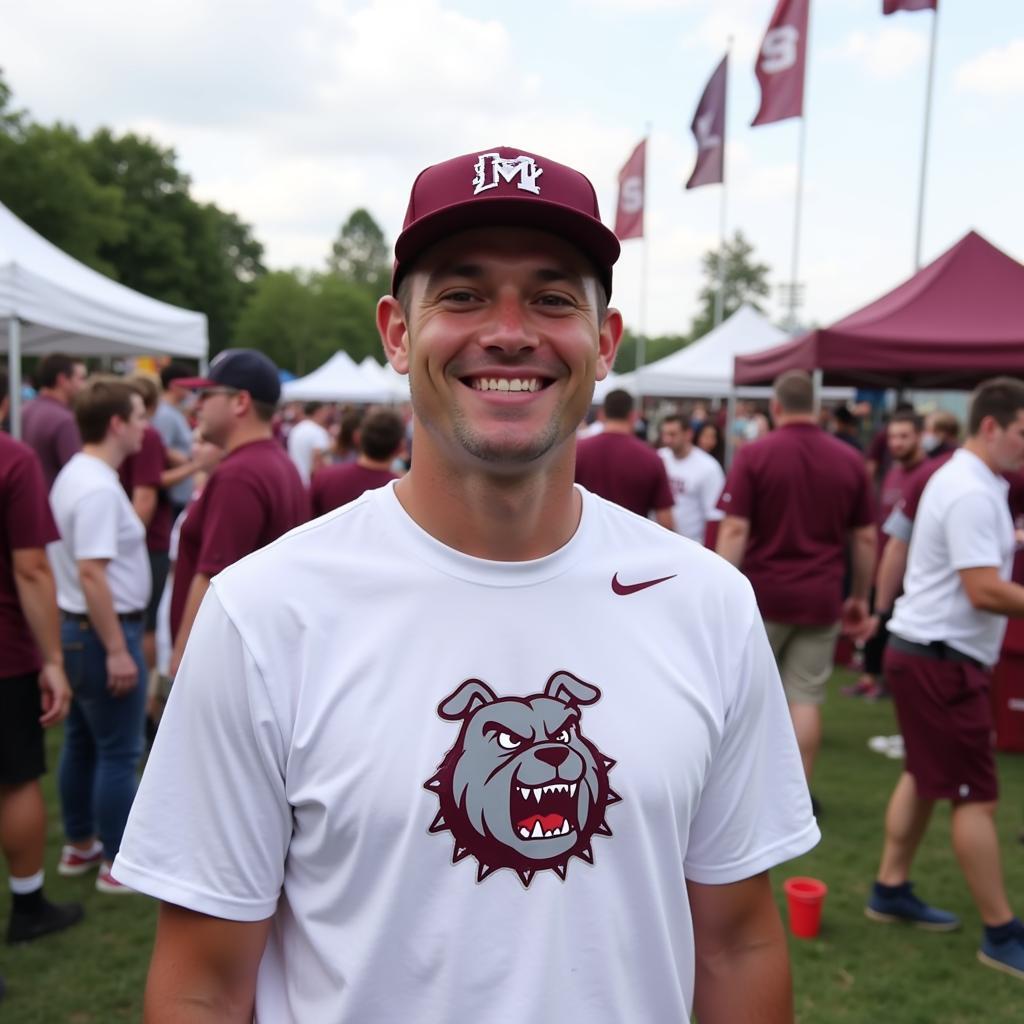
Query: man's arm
{"type": "Point", "coordinates": [989, 593]}
{"type": "Point", "coordinates": [742, 960]}
{"type": "Point", "coordinates": [144, 503]}
{"type": "Point", "coordinates": [733, 533]}
{"type": "Point", "coordinates": [856, 619]}
{"type": "Point", "coordinates": [122, 672]}
{"type": "Point", "coordinates": [891, 569]}
{"type": "Point", "coordinates": [203, 968]}
{"type": "Point", "coordinates": [663, 517]}
{"type": "Point", "coordinates": [196, 592]}
{"type": "Point", "coordinates": [37, 595]}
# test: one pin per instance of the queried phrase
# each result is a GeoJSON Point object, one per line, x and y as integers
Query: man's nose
{"type": "Point", "coordinates": [509, 328]}
{"type": "Point", "coordinates": [553, 756]}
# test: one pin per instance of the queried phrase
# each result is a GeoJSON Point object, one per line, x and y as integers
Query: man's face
{"type": "Point", "coordinates": [502, 344]}
{"type": "Point", "coordinates": [215, 414]}
{"type": "Point", "coordinates": [132, 431]}
{"type": "Point", "coordinates": [71, 384]}
{"type": "Point", "coordinates": [676, 437]}
{"type": "Point", "coordinates": [1006, 444]}
{"type": "Point", "coordinates": [904, 441]}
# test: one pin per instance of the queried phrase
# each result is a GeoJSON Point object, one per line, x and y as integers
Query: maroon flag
{"type": "Point", "coordinates": [780, 63]}
{"type": "Point", "coordinates": [892, 6]}
{"type": "Point", "coordinates": [708, 129]}
{"type": "Point", "coordinates": [629, 217]}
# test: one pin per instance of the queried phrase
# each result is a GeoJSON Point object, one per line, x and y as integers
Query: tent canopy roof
{"type": "Point", "coordinates": [957, 321]}
{"type": "Point", "coordinates": [65, 306]}
{"type": "Point", "coordinates": [341, 379]}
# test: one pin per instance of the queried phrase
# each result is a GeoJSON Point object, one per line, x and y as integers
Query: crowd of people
{"type": "Point", "coordinates": [278, 819]}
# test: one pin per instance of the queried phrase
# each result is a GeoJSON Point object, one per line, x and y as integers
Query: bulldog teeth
{"type": "Point", "coordinates": [538, 832]}
{"type": "Point", "coordinates": [525, 833]}
{"type": "Point", "coordinates": [556, 787]}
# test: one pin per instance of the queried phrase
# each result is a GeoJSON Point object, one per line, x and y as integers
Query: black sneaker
{"type": "Point", "coordinates": [906, 908]}
{"type": "Point", "coordinates": [51, 917]}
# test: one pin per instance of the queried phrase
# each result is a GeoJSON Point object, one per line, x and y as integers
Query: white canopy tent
{"type": "Point", "coordinates": [340, 379]}
{"type": "Point", "coordinates": [49, 302]}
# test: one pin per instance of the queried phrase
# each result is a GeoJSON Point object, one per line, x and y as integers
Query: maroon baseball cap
{"type": "Point", "coordinates": [242, 369]}
{"type": "Point", "coordinates": [504, 187]}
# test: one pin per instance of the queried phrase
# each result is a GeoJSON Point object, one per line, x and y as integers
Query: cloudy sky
{"type": "Point", "coordinates": [294, 114]}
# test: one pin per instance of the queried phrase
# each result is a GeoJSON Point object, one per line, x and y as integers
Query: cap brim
{"type": "Point", "coordinates": [588, 234]}
{"type": "Point", "coordinates": [194, 383]}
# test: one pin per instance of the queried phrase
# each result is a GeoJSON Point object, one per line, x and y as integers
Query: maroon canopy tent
{"type": "Point", "coordinates": [954, 323]}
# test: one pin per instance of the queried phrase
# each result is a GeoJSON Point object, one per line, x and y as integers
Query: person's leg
{"type": "Point", "coordinates": [805, 668]}
{"type": "Point", "coordinates": [23, 828]}
{"type": "Point", "coordinates": [85, 664]}
{"type": "Point", "coordinates": [906, 821]}
{"type": "Point", "coordinates": [976, 844]}
{"type": "Point", "coordinates": [119, 730]}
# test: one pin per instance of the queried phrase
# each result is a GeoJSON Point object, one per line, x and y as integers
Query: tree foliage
{"type": "Point", "coordinates": [746, 280]}
{"type": "Point", "coordinates": [360, 253]}
{"type": "Point", "coordinates": [122, 205]}
{"type": "Point", "coordinates": [654, 348]}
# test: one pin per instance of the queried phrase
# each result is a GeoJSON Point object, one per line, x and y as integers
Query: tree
{"type": "Point", "coordinates": [360, 253]}
{"type": "Point", "coordinates": [278, 319]}
{"type": "Point", "coordinates": [655, 348]}
{"type": "Point", "coordinates": [745, 281]}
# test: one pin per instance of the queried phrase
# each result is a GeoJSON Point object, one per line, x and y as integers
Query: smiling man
{"type": "Point", "coordinates": [422, 760]}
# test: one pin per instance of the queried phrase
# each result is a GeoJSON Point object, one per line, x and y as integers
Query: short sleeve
{"type": "Point", "coordinates": [94, 525]}
{"type": "Point", "coordinates": [755, 810]}
{"type": "Point", "coordinates": [28, 521]}
{"type": "Point", "coordinates": [738, 492]}
{"type": "Point", "coordinates": [973, 532]}
{"type": "Point", "coordinates": [232, 525]}
{"type": "Point", "coordinates": [210, 826]}
{"type": "Point", "coordinates": [662, 497]}
{"type": "Point", "coordinates": [898, 525]}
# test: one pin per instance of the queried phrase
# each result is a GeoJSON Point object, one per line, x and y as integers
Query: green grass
{"type": "Point", "coordinates": [855, 972]}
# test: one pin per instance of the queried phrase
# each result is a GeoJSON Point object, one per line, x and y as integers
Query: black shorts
{"type": "Point", "coordinates": [159, 564]}
{"type": "Point", "coordinates": [22, 750]}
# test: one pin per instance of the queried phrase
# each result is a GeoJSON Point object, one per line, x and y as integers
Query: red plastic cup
{"type": "Point", "coordinates": [804, 898]}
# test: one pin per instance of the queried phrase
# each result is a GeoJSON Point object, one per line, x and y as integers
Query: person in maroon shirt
{"type": "Point", "coordinates": [618, 466]}
{"type": "Point", "coordinates": [47, 423]}
{"type": "Point", "coordinates": [381, 440]}
{"type": "Point", "coordinates": [793, 502]}
{"type": "Point", "coordinates": [34, 691]}
{"type": "Point", "coordinates": [253, 497]}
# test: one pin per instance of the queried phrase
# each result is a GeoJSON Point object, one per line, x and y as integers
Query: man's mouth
{"type": "Point", "coordinates": [543, 812]}
{"type": "Point", "coordinates": [507, 384]}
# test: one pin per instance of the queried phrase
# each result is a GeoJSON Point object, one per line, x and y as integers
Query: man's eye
{"type": "Point", "coordinates": [458, 296]}
{"type": "Point", "coordinates": [509, 740]}
{"type": "Point", "coordinates": [556, 300]}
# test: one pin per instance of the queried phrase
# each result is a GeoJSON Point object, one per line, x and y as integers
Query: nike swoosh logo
{"type": "Point", "coordinates": [622, 589]}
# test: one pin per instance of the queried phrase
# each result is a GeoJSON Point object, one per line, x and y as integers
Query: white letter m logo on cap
{"type": "Point", "coordinates": [491, 168]}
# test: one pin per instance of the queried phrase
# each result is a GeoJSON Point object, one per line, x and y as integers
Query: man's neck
{"type": "Point", "coordinates": [54, 395]}
{"type": "Point", "coordinates": [618, 427]}
{"type": "Point", "coordinates": [912, 461]}
{"type": "Point", "coordinates": [106, 451]}
{"type": "Point", "coordinates": [503, 518]}
{"type": "Point", "coordinates": [683, 451]}
{"type": "Point", "coordinates": [245, 433]}
{"type": "Point", "coordinates": [975, 447]}
{"type": "Point", "coordinates": [380, 465]}
{"type": "Point", "coordinates": [788, 419]}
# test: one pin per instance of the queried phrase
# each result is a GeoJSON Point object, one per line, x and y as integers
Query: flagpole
{"type": "Point", "coordinates": [641, 339]}
{"type": "Point", "coordinates": [794, 287]}
{"type": "Point", "coordinates": [927, 135]}
{"type": "Point", "coordinates": [720, 297]}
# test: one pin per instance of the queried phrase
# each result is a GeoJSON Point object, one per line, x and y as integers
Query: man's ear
{"type": "Point", "coordinates": [608, 343]}
{"type": "Point", "coordinates": [394, 334]}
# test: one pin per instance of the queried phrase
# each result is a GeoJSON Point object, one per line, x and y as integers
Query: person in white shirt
{"type": "Point", "coordinates": [514, 813]}
{"type": "Point", "coordinates": [944, 635]}
{"type": "Point", "coordinates": [695, 477]}
{"type": "Point", "coordinates": [309, 440]}
{"type": "Point", "coordinates": [103, 582]}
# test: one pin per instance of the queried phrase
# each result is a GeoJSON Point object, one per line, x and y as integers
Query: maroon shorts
{"type": "Point", "coordinates": [945, 715]}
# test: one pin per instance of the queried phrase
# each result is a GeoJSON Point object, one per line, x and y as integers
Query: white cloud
{"type": "Point", "coordinates": [994, 73]}
{"type": "Point", "coordinates": [884, 53]}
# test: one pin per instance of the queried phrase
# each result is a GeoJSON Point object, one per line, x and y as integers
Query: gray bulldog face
{"type": "Point", "coordinates": [522, 787]}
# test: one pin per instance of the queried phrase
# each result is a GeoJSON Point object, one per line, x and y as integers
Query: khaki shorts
{"type": "Point", "coordinates": [805, 656]}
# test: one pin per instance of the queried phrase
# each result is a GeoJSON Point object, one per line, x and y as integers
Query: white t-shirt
{"type": "Point", "coordinates": [962, 522]}
{"type": "Point", "coordinates": [305, 438]}
{"type": "Point", "coordinates": [302, 769]}
{"type": "Point", "coordinates": [96, 520]}
{"type": "Point", "coordinates": [696, 481]}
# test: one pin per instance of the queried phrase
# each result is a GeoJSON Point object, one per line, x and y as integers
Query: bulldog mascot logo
{"type": "Point", "coordinates": [522, 788]}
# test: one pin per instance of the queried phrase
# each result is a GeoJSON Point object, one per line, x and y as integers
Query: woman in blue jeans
{"type": "Point", "coordinates": [103, 583]}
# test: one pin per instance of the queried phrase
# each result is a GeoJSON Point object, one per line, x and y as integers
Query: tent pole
{"type": "Point", "coordinates": [730, 419]}
{"type": "Point", "coordinates": [641, 338]}
{"type": "Point", "coordinates": [924, 145]}
{"type": "Point", "coordinates": [14, 371]}
{"type": "Point", "coordinates": [818, 379]}
{"type": "Point", "coordinates": [720, 296]}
